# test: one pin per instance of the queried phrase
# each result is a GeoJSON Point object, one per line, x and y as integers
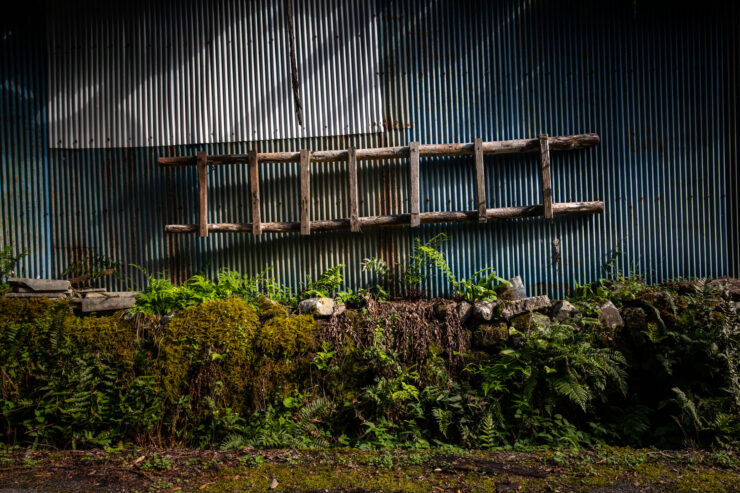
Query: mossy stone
{"type": "Point", "coordinates": [488, 336]}
{"type": "Point", "coordinates": [528, 322]}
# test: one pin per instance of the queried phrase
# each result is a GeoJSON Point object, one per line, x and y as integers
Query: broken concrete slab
{"type": "Point", "coordinates": [510, 309]}
{"type": "Point", "coordinates": [37, 285]}
{"type": "Point", "coordinates": [564, 310]}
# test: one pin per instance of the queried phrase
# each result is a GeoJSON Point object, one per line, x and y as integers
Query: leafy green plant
{"type": "Point", "coordinates": [555, 364]}
{"type": "Point", "coordinates": [8, 262]}
{"type": "Point", "coordinates": [378, 267]}
{"type": "Point", "coordinates": [162, 297]}
{"type": "Point", "coordinates": [423, 258]}
{"type": "Point", "coordinates": [324, 286]}
{"type": "Point", "coordinates": [156, 462]}
{"type": "Point", "coordinates": [86, 270]}
{"type": "Point", "coordinates": [481, 286]}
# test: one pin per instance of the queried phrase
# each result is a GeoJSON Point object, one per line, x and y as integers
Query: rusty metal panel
{"type": "Point", "coordinates": [133, 74]}
{"type": "Point", "coordinates": [660, 88]}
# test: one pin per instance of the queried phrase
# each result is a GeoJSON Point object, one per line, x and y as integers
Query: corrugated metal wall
{"type": "Point", "coordinates": [140, 73]}
{"type": "Point", "coordinates": [24, 158]}
{"type": "Point", "coordinates": [659, 86]}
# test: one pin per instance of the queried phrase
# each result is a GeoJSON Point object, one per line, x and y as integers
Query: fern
{"type": "Point", "coordinates": [574, 391]}
{"type": "Point", "coordinates": [487, 434]}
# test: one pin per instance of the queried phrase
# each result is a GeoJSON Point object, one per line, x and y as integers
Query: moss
{"type": "Point", "coordinates": [270, 309]}
{"type": "Point", "coordinates": [104, 337]}
{"type": "Point", "coordinates": [219, 349]}
{"type": "Point", "coordinates": [206, 344]}
{"type": "Point", "coordinates": [528, 322]}
{"type": "Point", "coordinates": [284, 348]}
{"type": "Point", "coordinates": [36, 315]}
{"type": "Point", "coordinates": [287, 336]}
{"type": "Point", "coordinates": [30, 330]}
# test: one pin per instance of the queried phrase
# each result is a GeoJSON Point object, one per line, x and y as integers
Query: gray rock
{"type": "Point", "coordinates": [464, 311]}
{"type": "Point", "coordinates": [510, 309]}
{"type": "Point", "coordinates": [526, 323]}
{"type": "Point", "coordinates": [483, 310]}
{"type": "Point", "coordinates": [609, 315]}
{"type": "Point", "coordinates": [563, 310]}
{"type": "Point", "coordinates": [319, 307]}
{"type": "Point", "coordinates": [516, 291]}
{"type": "Point", "coordinates": [488, 336]}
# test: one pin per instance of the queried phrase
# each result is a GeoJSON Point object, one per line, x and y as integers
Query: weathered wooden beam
{"type": "Point", "coordinates": [305, 192]}
{"type": "Point", "coordinates": [560, 143]}
{"type": "Point", "coordinates": [414, 200]}
{"type": "Point", "coordinates": [112, 301]}
{"type": "Point", "coordinates": [50, 294]}
{"type": "Point", "coordinates": [545, 171]}
{"type": "Point", "coordinates": [44, 285]}
{"type": "Point", "coordinates": [563, 208]}
{"type": "Point", "coordinates": [202, 194]}
{"type": "Point", "coordinates": [254, 188]}
{"type": "Point", "coordinates": [480, 180]}
{"type": "Point", "coordinates": [354, 223]}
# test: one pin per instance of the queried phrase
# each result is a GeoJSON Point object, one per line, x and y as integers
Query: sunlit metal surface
{"type": "Point", "coordinates": [133, 74]}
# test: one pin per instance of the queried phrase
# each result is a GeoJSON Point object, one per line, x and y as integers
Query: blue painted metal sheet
{"type": "Point", "coordinates": [660, 88]}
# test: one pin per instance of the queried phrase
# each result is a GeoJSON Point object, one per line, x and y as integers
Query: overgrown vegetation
{"type": "Point", "coordinates": [232, 365]}
{"type": "Point", "coordinates": [233, 373]}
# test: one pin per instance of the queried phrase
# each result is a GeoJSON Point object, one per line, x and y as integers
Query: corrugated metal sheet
{"type": "Point", "coordinates": [24, 162]}
{"type": "Point", "coordinates": [133, 74]}
{"type": "Point", "coordinates": [660, 87]}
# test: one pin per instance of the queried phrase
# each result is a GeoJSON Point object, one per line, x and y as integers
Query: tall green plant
{"type": "Point", "coordinates": [8, 262]}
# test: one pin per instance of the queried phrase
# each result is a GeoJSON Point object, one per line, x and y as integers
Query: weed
{"type": "Point", "coordinates": [155, 462]}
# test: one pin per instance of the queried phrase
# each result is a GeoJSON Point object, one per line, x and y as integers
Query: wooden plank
{"type": "Point", "coordinates": [107, 303]}
{"type": "Point", "coordinates": [414, 177]}
{"type": "Point", "coordinates": [50, 294]}
{"type": "Point", "coordinates": [39, 284]}
{"type": "Point", "coordinates": [254, 189]}
{"type": "Point", "coordinates": [559, 143]}
{"type": "Point", "coordinates": [480, 181]}
{"type": "Point", "coordinates": [354, 223]}
{"type": "Point", "coordinates": [305, 192]}
{"type": "Point", "coordinates": [562, 208]}
{"type": "Point", "coordinates": [545, 171]}
{"type": "Point", "coordinates": [202, 194]}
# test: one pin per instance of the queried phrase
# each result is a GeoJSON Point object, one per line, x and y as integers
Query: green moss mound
{"type": "Point", "coordinates": [206, 350]}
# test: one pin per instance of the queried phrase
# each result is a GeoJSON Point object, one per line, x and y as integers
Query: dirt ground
{"type": "Point", "coordinates": [601, 470]}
